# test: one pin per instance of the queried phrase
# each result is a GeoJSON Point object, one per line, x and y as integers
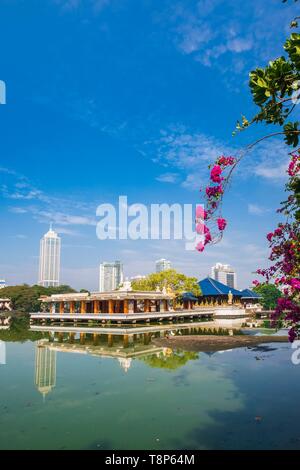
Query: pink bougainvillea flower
{"type": "Point", "coordinates": [295, 283]}
{"type": "Point", "coordinates": [215, 174]}
{"type": "Point", "coordinates": [200, 228]}
{"type": "Point", "coordinates": [270, 236]}
{"type": "Point", "coordinates": [222, 224]}
{"type": "Point", "coordinates": [292, 335]}
{"type": "Point", "coordinates": [200, 246]}
{"type": "Point", "coordinates": [213, 191]}
{"type": "Point", "coordinates": [294, 166]}
{"type": "Point", "coordinates": [201, 213]}
{"type": "Point", "coordinates": [278, 232]}
{"type": "Point", "coordinates": [226, 161]}
{"type": "Point", "coordinates": [255, 283]}
{"type": "Point", "coordinates": [208, 238]}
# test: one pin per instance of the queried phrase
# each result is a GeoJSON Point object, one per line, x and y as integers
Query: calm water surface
{"type": "Point", "coordinates": [115, 391]}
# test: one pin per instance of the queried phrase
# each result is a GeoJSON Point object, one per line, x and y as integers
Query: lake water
{"type": "Point", "coordinates": [115, 391]}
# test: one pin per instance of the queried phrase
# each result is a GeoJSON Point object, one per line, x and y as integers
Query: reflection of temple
{"type": "Point", "coordinates": [107, 344]}
{"type": "Point", "coordinates": [45, 368]}
{"type": "Point", "coordinates": [123, 344]}
{"type": "Point", "coordinates": [125, 363]}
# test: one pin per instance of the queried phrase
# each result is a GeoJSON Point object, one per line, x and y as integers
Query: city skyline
{"type": "Point", "coordinates": [111, 274]}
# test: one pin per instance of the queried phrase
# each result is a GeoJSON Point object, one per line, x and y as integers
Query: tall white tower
{"type": "Point", "coordinates": [162, 265]}
{"type": "Point", "coordinates": [49, 259]}
{"type": "Point", "coordinates": [110, 276]}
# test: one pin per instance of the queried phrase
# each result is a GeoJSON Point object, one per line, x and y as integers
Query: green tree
{"type": "Point", "coordinates": [19, 331]}
{"type": "Point", "coordinates": [25, 298]}
{"type": "Point", "coordinates": [170, 279]}
{"type": "Point", "coordinates": [270, 294]}
{"type": "Point", "coordinates": [171, 361]}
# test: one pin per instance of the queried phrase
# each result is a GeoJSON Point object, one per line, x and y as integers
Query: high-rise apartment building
{"type": "Point", "coordinates": [225, 274]}
{"type": "Point", "coordinates": [162, 265]}
{"type": "Point", "coordinates": [110, 276]}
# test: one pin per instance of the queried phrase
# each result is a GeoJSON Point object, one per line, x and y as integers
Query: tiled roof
{"type": "Point", "coordinates": [250, 294]}
{"type": "Point", "coordinates": [211, 287]}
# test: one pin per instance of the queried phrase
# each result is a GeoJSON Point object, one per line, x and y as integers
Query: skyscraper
{"type": "Point", "coordinates": [110, 276]}
{"type": "Point", "coordinates": [162, 265]}
{"type": "Point", "coordinates": [49, 259]}
{"type": "Point", "coordinates": [225, 274]}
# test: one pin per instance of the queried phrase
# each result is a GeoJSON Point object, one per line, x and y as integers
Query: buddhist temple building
{"type": "Point", "coordinates": [215, 293]}
{"type": "Point", "coordinates": [114, 302]}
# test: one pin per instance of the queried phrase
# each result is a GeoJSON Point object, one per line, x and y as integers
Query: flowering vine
{"type": "Point", "coordinates": [275, 91]}
{"type": "Point", "coordinates": [284, 241]}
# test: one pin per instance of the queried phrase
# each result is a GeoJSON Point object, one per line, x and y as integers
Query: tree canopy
{"type": "Point", "coordinates": [170, 279]}
{"type": "Point", "coordinates": [25, 298]}
{"type": "Point", "coordinates": [171, 361]}
{"type": "Point", "coordinates": [270, 294]}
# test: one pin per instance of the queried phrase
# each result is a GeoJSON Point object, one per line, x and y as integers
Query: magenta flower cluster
{"type": "Point", "coordinates": [213, 194]}
{"type": "Point", "coordinates": [285, 256]}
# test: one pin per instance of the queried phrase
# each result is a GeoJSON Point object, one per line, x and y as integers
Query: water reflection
{"type": "Point", "coordinates": [45, 368]}
{"type": "Point", "coordinates": [122, 346]}
{"type": "Point", "coordinates": [121, 343]}
{"type": "Point", "coordinates": [142, 396]}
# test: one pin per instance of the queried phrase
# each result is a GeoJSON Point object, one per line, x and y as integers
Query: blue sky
{"type": "Point", "coordinates": [133, 97]}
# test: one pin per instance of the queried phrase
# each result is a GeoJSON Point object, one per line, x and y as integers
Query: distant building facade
{"type": "Point", "coordinates": [110, 276]}
{"type": "Point", "coordinates": [49, 269]}
{"type": "Point", "coordinates": [162, 265]}
{"type": "Point", "coordinates": [2, 283]}
{"type": "Point", "coordinates": [224, 274]}
{"type": "Point", "coordinates": [139, 277]}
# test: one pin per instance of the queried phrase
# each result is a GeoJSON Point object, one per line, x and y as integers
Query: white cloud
{"type": "Point", "coordinates": [63, 218]}
{"type": "Point", "coordinates": [239, 45]}
{"type": "Point", "coordinates": [66, 231]}
{"type": "Point", "coordinates": [270, 172]}
{"type": "Point", "coordinates": [270, 160]}
{"type": "Point", "coordinates": [209, 30]}
{"type": "Point", "coordinates": [190, 152]}
{"type": "Point", "coordinates": [20, 236]}
{"type": "Point", "coordinates": [255, 209]}
{"type": "Point", "coordinates": [44, 208]}
{"type": "Point", "coordinates": [71, 5]}
{"type": "Point", "coordinates": [167, 178]}
{"type": "Point", "coordinates": [193, 37]}
{"type": "Point", "coordinates": [18, 210]}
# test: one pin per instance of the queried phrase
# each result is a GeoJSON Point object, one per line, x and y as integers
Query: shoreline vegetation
{"type": "Point", "coordinates": [214, 343]}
